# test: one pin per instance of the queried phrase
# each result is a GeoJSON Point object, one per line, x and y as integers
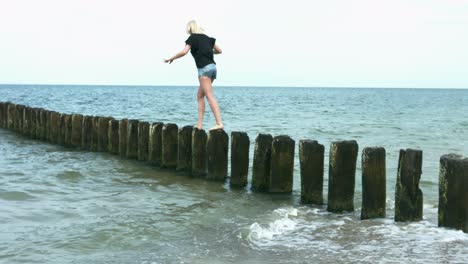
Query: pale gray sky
{"type": "Point", "coordinates": [353, 43]}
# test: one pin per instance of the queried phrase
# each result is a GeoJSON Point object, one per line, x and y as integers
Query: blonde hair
{"type": "Point", "coordinates": [194, 28]}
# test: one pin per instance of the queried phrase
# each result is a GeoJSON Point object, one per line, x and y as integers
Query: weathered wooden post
{"type": "Point", "coordinates": [49, 133]}
{"type": "Point", "coordinates": [132, 139]}
{"type": "Point", "coordinates": [143, 140]}
{"type": "Point", "coordinates": [282, 165]}
{"type": "Point", "coordinates": [373, 183]}
{"type": "Point", "coordinates": [44, 124]}
{"type": "Point", "coordinates": [27, 122]}
{"type": "Point", "coordinates": [342, 175]}
{"type": "Point", "coordinates": [217, 147]}
{"type": "Point", "coordinates": [184, 151]}
{"type": "Point", "coordinates": [311, 161]}
{"type": "Point", "coordinates": [32, 127]}
{"type": "Point", "coordinates": [2, 118]}
{"type": "Point", "coordinates": [240, 144]}
{"type": "Point", "coordinates": [113, 135]}
{"type": "Point", "coordinates": [123, 128]}
{"type": "Point", "coordinates": [453, 192]}
{"type": "Point", "coordinates": [103, 133]}
{"type": "Point", "coordinates": [37, 123]}
{"type": "Point", "coordinates": [54, 127]}
{"type": "Point", "coordinates": [199, 155]}
{"type": "Point", "coordinates": [86, 132]}
{"type": "Point", "coordinates": [19, 119]}
{"type": "Point", "coordinates": [11, 116]}
{"type": "Point", "coordinates": [408, 196]}
{"type": "Point", "coordinates": [95, 133]}
{"type": "Point", "coordinates": [67, 126]}
{"type": "Point", "coordinates": [77, 130]}
{"type": "Point", "coordinates": [169, 146]}
{"type": "Point", "coordinates": [261, 163]}
{"type": "Point", "coordinates": [155, 144]}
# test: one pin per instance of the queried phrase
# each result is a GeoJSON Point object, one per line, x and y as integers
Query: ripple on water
{"type": "Point", "coordinates": [16, 196]}
{"type": "Point", "coordinates": [72, 176]}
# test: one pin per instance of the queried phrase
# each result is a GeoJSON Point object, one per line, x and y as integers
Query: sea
{"type": "Point", "coordinates": [60, 205]}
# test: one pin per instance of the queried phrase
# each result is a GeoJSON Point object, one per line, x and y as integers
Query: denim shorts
{"type": "Point", "coordinates": [208, 71]}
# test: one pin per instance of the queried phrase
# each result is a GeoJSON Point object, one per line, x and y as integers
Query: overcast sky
{"type": "Point", "coordinates": [351, 43]}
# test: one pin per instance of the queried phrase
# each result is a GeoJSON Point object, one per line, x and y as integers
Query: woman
{"type": "Point", "coordinates": [202, 48]}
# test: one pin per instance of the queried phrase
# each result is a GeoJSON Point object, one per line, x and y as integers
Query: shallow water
{"type": "Point", "coordinates": [64, 206]}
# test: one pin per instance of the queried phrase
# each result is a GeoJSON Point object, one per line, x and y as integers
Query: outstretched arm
{"type": "Point", "coordinates": [180, 54]}
{"type": "Point", "coordinates": [217, 49]}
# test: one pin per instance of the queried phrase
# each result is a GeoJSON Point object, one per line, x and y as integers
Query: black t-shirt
{"type": "Point", "coordinates": [201, 49]}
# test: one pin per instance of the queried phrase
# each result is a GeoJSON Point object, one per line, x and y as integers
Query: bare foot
{"type": "Point", "coordinates": [198, 126]}
{"type": "Point", "coordinates": [221, 126]}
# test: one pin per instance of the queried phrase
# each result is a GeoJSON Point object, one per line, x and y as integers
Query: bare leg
{"type": "Point", "coordinates": [205, 85]}
{"type": "Point", "coordinates": [201, 107]}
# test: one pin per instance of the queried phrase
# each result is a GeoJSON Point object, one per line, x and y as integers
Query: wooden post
{"type": "Point", "coordinates": [2, 117]}
{"type": "Point", "coordinates": [54, 127]}
{"type": "Point", "coordinates": [11, 116]}
{"type": "Point", "coordinates": [113, 135]}
{"type": "Point", "coordinates": [143, 140]}
{"type": "Point", "coordinates": [27, 122]}
{"type": "Point", "coordinates": [169, 146]}
{"type": "Point", "coordinates": [123, 128]}
{"type": "Point", "coordinates": [132, 139]}
{"type": "Point", "coordinates": [408, 196]}
{"type": "Point", "coordinates": [103, 133]}
{"type": "Point", "coordinates": [240, 144]}
{"type": "Point", "coordinates": [77, 129]}
{"type": "Point", "coordinates": [342, 175]}
{"type": "Point", "coordinates": [86, 132]}
{"type": "Point", "coordinates": [37, 121]}
{"type": "Point", "coordinates": [67, 126]}
{"type": "Point", "coordinates": [217, 148]}
{"type": "Point", "coordinates": [311, 159]}
{"type": "Point", "coordinates": [261, 163]}
{"type": "Point", "coordinates": [199, 155]}
{"type": "Point", "coordinates": [95, 133]}
{"type": "Point", "coordinates": [33, 125]}
{"type": "Point", "coordinates": [155, 144]}
{"type": "Point", "coordinates": [373, 183]}
{"type": "Point", "coordinates": [282, 165]}
{"type": "Point", "coordinates": [44, 124]}
{"type": "Point", "coordinates": [453, 192]}
{"type": "Point", "coordinates": [184, 152]}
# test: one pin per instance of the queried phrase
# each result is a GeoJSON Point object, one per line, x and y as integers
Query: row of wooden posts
{"type": "Point", "coordinates": [196, 153]}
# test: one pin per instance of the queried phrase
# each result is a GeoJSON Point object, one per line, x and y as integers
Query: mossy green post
{"type": "Point", "coordinates": [113, 135]}
{"type": "Point", "coordinates": [261, 163]}
{"type": "Point", "coordinates": [132, 139]}
{"type": "Point", "coordinates": [123, 127]}
{"type": "Point", "coordinates": [155, 144]}
{"type": "Point", "coordinates": [169, 146]}
{"type": "Point", "coordinates": [2, 118]}
{"type": "Point", "coordinates": [37, 123]}
{"type": "Point", "coordinates": [95, 133]}
{"type": "Point", "coordinates": [240, 144]}
{"type": "Point", "coordinates": [43, 123]}
{"type": "Point", "coordinates": [33, 125]}
{"type": "Point", "coordinates": [184, 152]}
{"type": "Point", "coordinates": [342, 176]}
{"type": "Point", "coordinates": [408, 196]}
{"type": "Point", "coordinates": [217, 147]}
{"type": "Point", "coordinates": [143, 140]}
{"type": "Point", "coordinates": [453, 192]}
{"type": "Point", "coordinates": [199, 154]}
{"type": "Point", "coordinates": [311, 161]}
{"type": "Point", "coordinates": [373, 183]}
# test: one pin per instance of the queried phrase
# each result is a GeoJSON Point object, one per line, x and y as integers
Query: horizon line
{"type": "Point", "coordinates": [243, 86]}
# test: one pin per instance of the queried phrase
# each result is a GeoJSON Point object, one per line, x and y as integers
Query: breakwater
{"type": "Point", "coordinates": [167, 146]}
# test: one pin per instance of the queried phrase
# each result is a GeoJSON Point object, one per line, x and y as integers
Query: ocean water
{"type": "Point", "coordinates": [59, 205]}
